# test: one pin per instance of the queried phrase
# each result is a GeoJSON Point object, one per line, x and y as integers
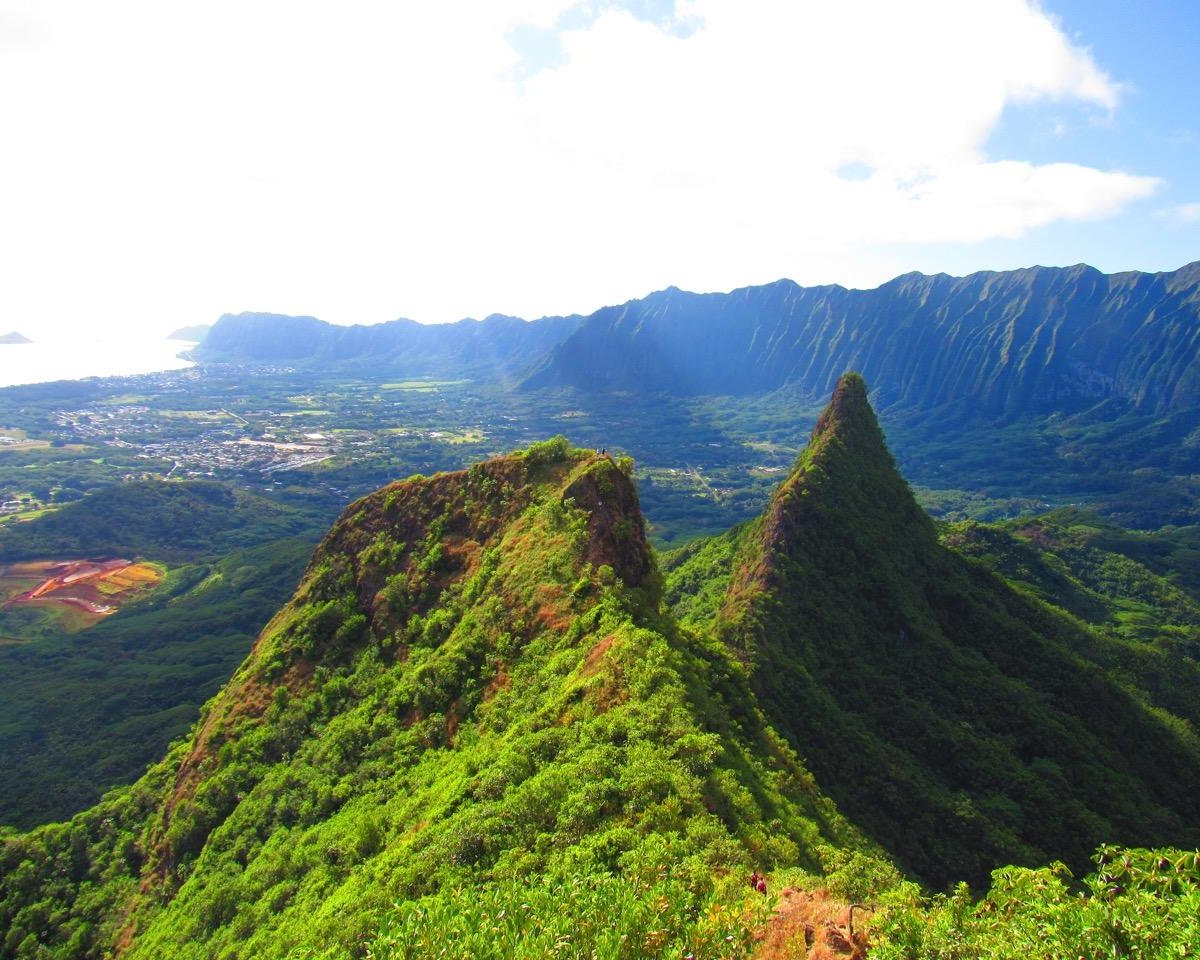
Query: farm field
{"type": "Point", "coordinates": [65, 596]}
{"type": "Point", "coordinates": [12, 439]}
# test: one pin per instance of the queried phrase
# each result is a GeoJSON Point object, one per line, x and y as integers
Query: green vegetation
{"type": "Point", "coordinates": [962, 723]}
{"type": "Point", "coordinates": [1137, 903]}
{"type": "Point", "coordinates": [171, 522]}
{"type": "Point", "coordinates": [594, 915]}
{"type": "Point", "coordinates": [82, 713]}
{"type": "Point", "coordinates": [473, 688]}
{"type": "Point", "coordinates": [491, 723]}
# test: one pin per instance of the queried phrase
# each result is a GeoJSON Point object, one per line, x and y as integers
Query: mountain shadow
{"type": "Point", "coordinates": [961, 723]}
{"type": "Point", "coordinates": [996, 344]}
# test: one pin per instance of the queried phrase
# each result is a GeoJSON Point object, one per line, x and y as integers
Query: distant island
{"type": "Point", "coordinates": [195, 333]}
{"type": "Point", "coordinates": [14, 337]}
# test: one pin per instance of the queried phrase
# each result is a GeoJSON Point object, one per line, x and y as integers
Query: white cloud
{"type": "Point", "coordinates": [164, 163]}
{"type": "Point", "coordinates": [1183, 214]}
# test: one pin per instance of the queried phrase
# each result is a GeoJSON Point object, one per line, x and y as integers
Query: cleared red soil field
{"type": "Point", "coordinates": [92, 588]}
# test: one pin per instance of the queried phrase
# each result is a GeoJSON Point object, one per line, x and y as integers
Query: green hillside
{"type": "Point", "coordinates": [81, 713]}
{"type": "Point", "coordinates": [173, 522]}
{"type": "Point", "coordinates": [961, 722]}
{"type": "Point", "coordinates": [474, 685]}
{"type": "Point", "coordinates": [489, 725]}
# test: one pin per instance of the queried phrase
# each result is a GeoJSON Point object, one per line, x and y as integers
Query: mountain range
{"type": "Point", "coordinates": [993, 343]}
{"type": "Point", "coordinates": [489, 698]}
{"type": "Point", "coordinates": [498, 346]}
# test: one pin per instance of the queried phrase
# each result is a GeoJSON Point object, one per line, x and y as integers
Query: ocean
{"type": "Point", "coordinates": [73, 360]}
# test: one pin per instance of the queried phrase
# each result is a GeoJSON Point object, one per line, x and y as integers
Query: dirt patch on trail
{"type": "Point", "coordinates": [812, 925]}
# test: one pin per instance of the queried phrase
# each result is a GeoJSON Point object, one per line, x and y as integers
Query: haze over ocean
{"type": "Point", "coordinates": [43, 362]}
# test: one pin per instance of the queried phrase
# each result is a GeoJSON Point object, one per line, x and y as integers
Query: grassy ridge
{"type": "Point", "coordinates": [492, 702]}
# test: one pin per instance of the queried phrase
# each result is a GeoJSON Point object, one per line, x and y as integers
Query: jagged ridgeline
{"type": "Point", "coordinates": [962, 723]}
{"type": "Point", "coordinates": [475, 686]}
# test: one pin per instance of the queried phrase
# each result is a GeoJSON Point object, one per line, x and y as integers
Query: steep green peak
{"type": "Point", "coordinates": [528, 543]}
{"type": "Point", "coordinates": [960, 721]}
{"type": "Point", "coordinates": [843, 508]}
{"type": "Point", "coordinates": [406, 550]}
{"type": "Point", "coordinates": [849, 420]}
{"type": "Point", "coordinates": [847, 471]}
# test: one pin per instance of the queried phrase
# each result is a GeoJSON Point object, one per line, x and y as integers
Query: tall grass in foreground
{"type": "Point", "coordinates": [588, 916]}
{"type": "Point", "coordinates": [1141, 904]}
{"type": "Point", "coordinates": [1138, 904]}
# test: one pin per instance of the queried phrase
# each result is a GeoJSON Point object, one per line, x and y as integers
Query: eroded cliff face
{"type": "Point", "coordinates": [996, 344]}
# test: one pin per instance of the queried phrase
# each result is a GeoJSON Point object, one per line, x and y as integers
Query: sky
{"type": "Point", "coordinates": [164, 163]}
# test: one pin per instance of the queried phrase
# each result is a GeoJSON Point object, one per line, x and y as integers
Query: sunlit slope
{"type": "Point", "coordinates": [474, 682]}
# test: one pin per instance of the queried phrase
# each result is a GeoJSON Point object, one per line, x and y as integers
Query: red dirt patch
{"type": "Point", "coordinates": [553, 610]}
{"type": "Point", "coordinates": [812, 925]}
{"type": "Point", "coordinates": [463, 552]}
{"type": "Point", "coordinates": [501, 681]}
{"type": "Point", "coordinates": [591, 663]}
{"type": "Point", "coordinates": [97, 588]}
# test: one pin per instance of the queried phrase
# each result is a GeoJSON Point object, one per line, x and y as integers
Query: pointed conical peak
{"type": "Point", "coordinates": [850, 420]}
{"type": "Point", "coordinates": [849, 399]}
{"type": "Point", "coordinates": [847, 451]}
{"type": "Point", "coordinates": [845, 485]}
